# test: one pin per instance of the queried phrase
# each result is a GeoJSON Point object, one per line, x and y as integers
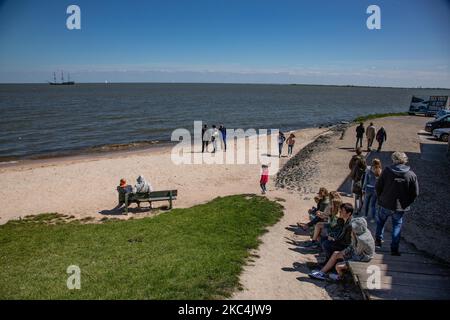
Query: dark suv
{"type": "Point", "coordinates": [442, 122]}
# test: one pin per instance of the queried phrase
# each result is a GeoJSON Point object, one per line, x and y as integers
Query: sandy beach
{"type": "Point", "coordinates": [85, 187]}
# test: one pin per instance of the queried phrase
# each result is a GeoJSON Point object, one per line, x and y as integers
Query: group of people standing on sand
{"type": "Point", "coordinates": [290, 141]}
{"type": "Point", "coordinates": [213, 135]}
{"type": "Point", "coordinates": [371, 135]}
{"type": "Point", "coordinates": [342, 237]}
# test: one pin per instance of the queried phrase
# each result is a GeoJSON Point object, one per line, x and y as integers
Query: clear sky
{"type": "Point", "coordinates": [270, 41]}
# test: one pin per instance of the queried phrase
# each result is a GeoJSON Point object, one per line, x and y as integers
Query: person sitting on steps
{"type": "Point", "coordinates": [361, 249]}
{"type": "Point", "coordinates": [332, 227]}
{"type": "Point", "coordinates": [317, 214]}
{"type": "Point", "coordinates": [343, 239]}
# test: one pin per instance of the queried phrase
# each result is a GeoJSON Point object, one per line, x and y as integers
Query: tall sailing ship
{"type": "Point", "coordinates": [62, 83]}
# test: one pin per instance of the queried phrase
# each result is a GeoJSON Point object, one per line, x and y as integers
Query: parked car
{"type": "Point", "coordinates": [442, 113]}
{"type": "Point", "coordinates": [442, 122]}
{"type": "Point", "coordinates": [442, 134]}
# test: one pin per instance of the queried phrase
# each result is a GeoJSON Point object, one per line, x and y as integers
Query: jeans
{"type": "Point", "coordinates": [369, 143]}
{"type": "Point", "coordinates": [380, 144]}
{"type": "Point", "coordinates": [360, 141]}
{"type": "Point", "coordinates": [290, 147]}
{"type": "Point", "coordinates": [397, 220]}
{"type": "Point", "coordinates": [280, 149]}
{"type": "Point", "coordinates": [358, 204]}
{"type": "Point", "coordinates": [263, 187]}
{"type": "Point", "coordinates": [370, 203]}
{"type": "Point", "coordinates": [329, 247]}
{"type": "Point", "coordinates": [314, 221]}
{"type": "Point", "coordinates": [205, 146]}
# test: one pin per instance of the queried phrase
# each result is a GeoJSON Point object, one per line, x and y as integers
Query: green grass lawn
{"type": "Point", "coordinates": [379, 115]}
{"type": "Point", "coordinates": [194, 253]}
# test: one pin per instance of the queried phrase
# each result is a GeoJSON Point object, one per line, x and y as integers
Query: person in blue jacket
{"type": "Point", "coordinates": [223, 132]}
{"type": "Point", "coordinates": [370, 196]}
{"type": "Point", "coordinates": [397, 188]}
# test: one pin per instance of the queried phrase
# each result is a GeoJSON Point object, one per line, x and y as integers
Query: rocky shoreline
{"type": "Point", "coordinates": [303, 168]}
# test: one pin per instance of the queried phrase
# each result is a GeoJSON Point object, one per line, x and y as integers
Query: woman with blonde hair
{"type": "Point", "coordinates": [373, 172]}
{"type": "Point", "coordinates": [331, 225]}
{"type": "Point", "coordinates": [315, 214]}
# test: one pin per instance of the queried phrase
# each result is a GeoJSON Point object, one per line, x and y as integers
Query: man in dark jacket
{"type": "Point", "coordinates": [396, 188]}
{"type": "Point", "coordinates": [344, 239]}
{"type": "Point", "coordinates": [359, 135]}
{"type": "Point", "coordinates": [381, 138]}
{"type": "Point", "coordinates": [357, 166]}
{"type": "Point", "coordinates": [223, 133]}
{"type": "Point", "coordinates": [205, 139]}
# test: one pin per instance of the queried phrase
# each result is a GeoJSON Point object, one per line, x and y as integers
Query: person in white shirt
{"type": "Point", "coordinates": [214, 137]}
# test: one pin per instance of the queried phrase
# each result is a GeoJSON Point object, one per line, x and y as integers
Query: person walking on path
{"type": "Point", "coordinates": [205, 138]}
{"type": "Point", "coordinates": [290, 142]}
{"type": "Point", "coordinates": [371, 176]}
{"type": "Point", "coordinates": [357, 166]}
{"type": "Point", "coordinates": [397, 188]}
{"type": "Point", "coordinates": [370, 134]}
{"type": "Point", "coordinates": [359, 135]}
{"type": "Point", "coordinates": [214, 138]}
{"type": "Point", "coordinates": [381, 138]}
{"type": "Point", "coordinates": [223, 133]}
{"type": "Point", "coordinates": [281, 140]}
{"type": "Point", "coordinates": [264, 178]}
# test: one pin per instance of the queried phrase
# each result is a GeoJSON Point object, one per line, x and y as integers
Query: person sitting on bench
{"type": "Point", "coordinates": [142, 186]}
{"type": "Point", "coordinates": [332, 227]}
{"type": "Point", "coordinates": [319, 213]}
{"type": "Point", "coordinates": [331, 244]}
{"type": "Point", "coordinates": [123, 189]}
{"type": "Point", "coordinates": [361, 249]}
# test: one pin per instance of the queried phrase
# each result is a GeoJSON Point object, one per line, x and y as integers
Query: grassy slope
{"type": "Point", "coordinates": [379, 115]}
{"type": "Point", "coordinates": [194, 253]}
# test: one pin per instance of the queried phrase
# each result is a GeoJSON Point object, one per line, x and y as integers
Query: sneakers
{"type": "Point", "coordinates": [317, 274]}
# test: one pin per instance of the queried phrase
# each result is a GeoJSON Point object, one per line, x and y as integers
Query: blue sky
{"type": "Point", "coordinates": [268, 41]}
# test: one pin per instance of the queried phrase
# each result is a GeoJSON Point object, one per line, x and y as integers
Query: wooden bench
{"type": "Point", "coordinates": [413, 278]}
{"type": "Point", "coordinates": [163, 195]}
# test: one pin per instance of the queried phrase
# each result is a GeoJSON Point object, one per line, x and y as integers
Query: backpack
{"type": "Point", "coordinates": [357, 187]}
{"type": "Point", "coordinates": [358, 170]}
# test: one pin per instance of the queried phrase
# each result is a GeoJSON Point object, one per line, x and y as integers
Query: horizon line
{"type": "Point", "coordinates": [237, 83]}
